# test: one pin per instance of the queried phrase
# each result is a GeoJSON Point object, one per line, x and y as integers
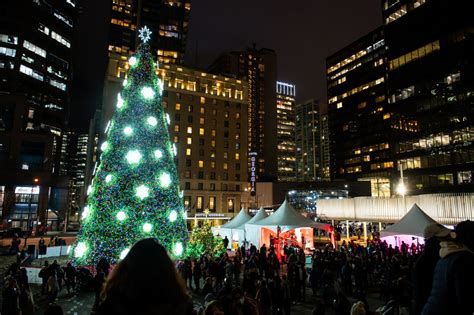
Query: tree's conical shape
{"type": "Point", "coordinates": [135, 191]}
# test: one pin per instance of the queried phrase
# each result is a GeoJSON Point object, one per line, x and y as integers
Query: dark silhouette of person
{"type": "Point", "coordinates": [226, 242]}
{"type": "Point", "coordinates": [454, 275]}
{"type": "Point", "coordinates": [145, 282]}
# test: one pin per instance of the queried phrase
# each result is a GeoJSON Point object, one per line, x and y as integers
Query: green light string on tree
{"type": "Point", "coordinates": [203, 242]}
{"type": "Point", "coordinates": [135, 191]}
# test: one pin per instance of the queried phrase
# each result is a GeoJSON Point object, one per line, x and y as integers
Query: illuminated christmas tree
{"type": "Point", "coordinates": [135, 191]}
{"type": "Point", "coordinates": [202, 241]}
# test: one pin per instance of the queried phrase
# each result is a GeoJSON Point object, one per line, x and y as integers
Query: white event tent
{"type": "Point", "coordinates": [234, 229]}
{"type": "Point", "coordinates": [410, 225]}
{"type": "Point", "coordinates": [252, 231]}
{"type": "Point", "coordinates": [287, 218]}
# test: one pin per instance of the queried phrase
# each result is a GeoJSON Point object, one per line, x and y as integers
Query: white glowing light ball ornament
{"type": "Point", "coordinates": [165, 180]}
{"type": "Point", "coordinates": [128, 130]}
{"type": "Point", "coordinates": [178, 249]}
{"type": "Point", "coordinates": [142, 192]}
{"type": "Point", "coordinates": [85, 212]}
{"type": "Point", "coordinates": [152, 121]}
{"type": "Point", "coordinates": [108, 178]}
{"type": "Point", "coordinates": [173, 215]}
{"type": "Point", "coordinates": [89, 189]}
{"type": "Point", "coordinates": [124, 253]}
{"type": "Point", "coordinates": [80, 249]}
{"type": "Point", "coordinates": [158, 154]}
{"type": "Point", "coordinates": [147, 92]}
{"type": "Point", "coordinates": [119, 101]}
{"type": "Point", "coordinates": [121, 215]}
{"type": "Point", "coordinates": [124, 83]}
{"type": "Point", "coordinates": [168, 119]}
{"type": "Point", "coordinates": [133, 157]}
{"type": "Point", "coordinates": [104, 146]}
{"type": "Point", "coordinates": [132, 61]}
{"type": "Point", "coordinates": [147, 227]}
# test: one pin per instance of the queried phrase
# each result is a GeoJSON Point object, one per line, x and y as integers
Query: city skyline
{"type": "Point", "coordinates": [303, 66]}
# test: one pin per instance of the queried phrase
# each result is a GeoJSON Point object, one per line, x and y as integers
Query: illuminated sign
{"type": "Point", "coordinates": [253, 173]}
{"type": "Point", "coordinates": [210, 215]}
{"type": "Point", "coordinates": [33, 190]}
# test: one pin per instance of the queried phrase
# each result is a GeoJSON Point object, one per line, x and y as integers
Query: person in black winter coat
{"type": "Point", "coordinates": [454, 275]}
{"type": "Point", "coordinates": [425, 264]}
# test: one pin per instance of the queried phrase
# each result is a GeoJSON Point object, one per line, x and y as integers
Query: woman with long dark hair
{"type": "Point", "coordinates": [145, 282]}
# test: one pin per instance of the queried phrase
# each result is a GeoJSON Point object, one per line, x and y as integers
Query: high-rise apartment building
{"type": "Point", "coordinates": [167, 19]}
{"type": "Point", "coordinates": [208, 125]}
{"type": "Point", "coordinates": [257, 67]}
{"type": "Point", "coordinates": [359, 133]}
{"type": "Point", "coordinates": [35, 69]}
{"type": "Point", "coordinates": [430, 66]}
{"type": "Point", "coordinates": [307, 138]}
{"type": "Point", "coordinates": [285, 104]}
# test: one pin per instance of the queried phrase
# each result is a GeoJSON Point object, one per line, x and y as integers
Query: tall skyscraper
{"type": "Point", "coordinates": [307, 137]}
{"type": "Point", "coordinates": [74, 149]}
{"type": "Point", "coordinates": [168, 21]}
{"type": "Point", "coordinates": [430, 94]}
{"type": "Point", "coordinates": [399, 100]}
{"type": "Point", "coordinates": [285, 104]}
{"type": "Point", "coordinates": [258, 67]}
{"type": "Point", "coordinates": [324, 148]}
{"type": "Point", "coordinates": [35, 69]}
{"type": "Point", "coordinates": [359, 133]}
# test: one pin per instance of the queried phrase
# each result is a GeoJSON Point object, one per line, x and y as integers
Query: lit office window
{"type": "Point", "coordinates": [43, 29]}
{"type": "Point", "coordinates": [190, 130]}
{"type": "Point", "coordinates": [32, 47]}
{"type": "Point", "coordinates": [7, 51]}
{"type": "Point", "coordinates": [32, 73]}
{"type": "Point", "coordinates": [60, 39]}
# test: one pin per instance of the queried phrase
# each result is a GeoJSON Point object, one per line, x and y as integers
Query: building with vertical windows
{"type": "Point", "coordinates": [257, 67]}
{"type": "Point", "coordinates": [73, 164]}
{"type": "Point", "coordinates": [359, 132]}
{"type": "Point", "coordinates": [209, 127]}
{"type": "Point", "coordinates": [430, 85]}
{"type": "Point", "coordinates": [399, 101]}
{"type": "Point", "coordinates": [324, 144]}
{"type": "Point", "coordinates": [285, 104]}
{"type": "Point", "coordinates": [168, 21]}
{"type": "Point", "coordinates": [307, 141]}
{"type": "Point", "coordinates": [35, 73]}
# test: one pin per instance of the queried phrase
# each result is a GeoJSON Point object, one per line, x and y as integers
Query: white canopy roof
{"type": "Point", "coordinates": [261, 214]}
{"type": "Point", "coordinates": [288, 218]}
{"type": "Point", "coordinates": [238, 221]}
{"type": "Point", "coordinates": [412, 223]}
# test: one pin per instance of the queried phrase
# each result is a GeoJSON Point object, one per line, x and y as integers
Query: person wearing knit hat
{"type": "Point", "coordinates": [454, 275]}
{"type": "Point", "coordinates": [425, 264]}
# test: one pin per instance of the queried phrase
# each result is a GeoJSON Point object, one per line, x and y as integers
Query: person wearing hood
{"type": "Point", "coordinates": [454, 275]}
{"type": "Point", "coordinates": [425, 264]}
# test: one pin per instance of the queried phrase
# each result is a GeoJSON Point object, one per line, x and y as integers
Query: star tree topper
{"type": "Point", "coordinates": [145, 34]}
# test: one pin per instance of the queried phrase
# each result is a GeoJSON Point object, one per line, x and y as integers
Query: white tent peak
{"type": "Point", "coordinates": [238, 221]}
{"type": "Point", "coordinates": [261, 214]}
{"type": "Point", "coordinates": [288, 218]}
{"type": "Point", "coordinates": [412, 223]}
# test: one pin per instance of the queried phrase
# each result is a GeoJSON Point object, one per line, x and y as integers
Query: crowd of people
{"type": "Point", "coordinates": [434, 278]}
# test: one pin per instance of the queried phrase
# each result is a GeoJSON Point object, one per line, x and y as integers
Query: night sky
{"type": "Point", "coordinates": [303, 33]}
